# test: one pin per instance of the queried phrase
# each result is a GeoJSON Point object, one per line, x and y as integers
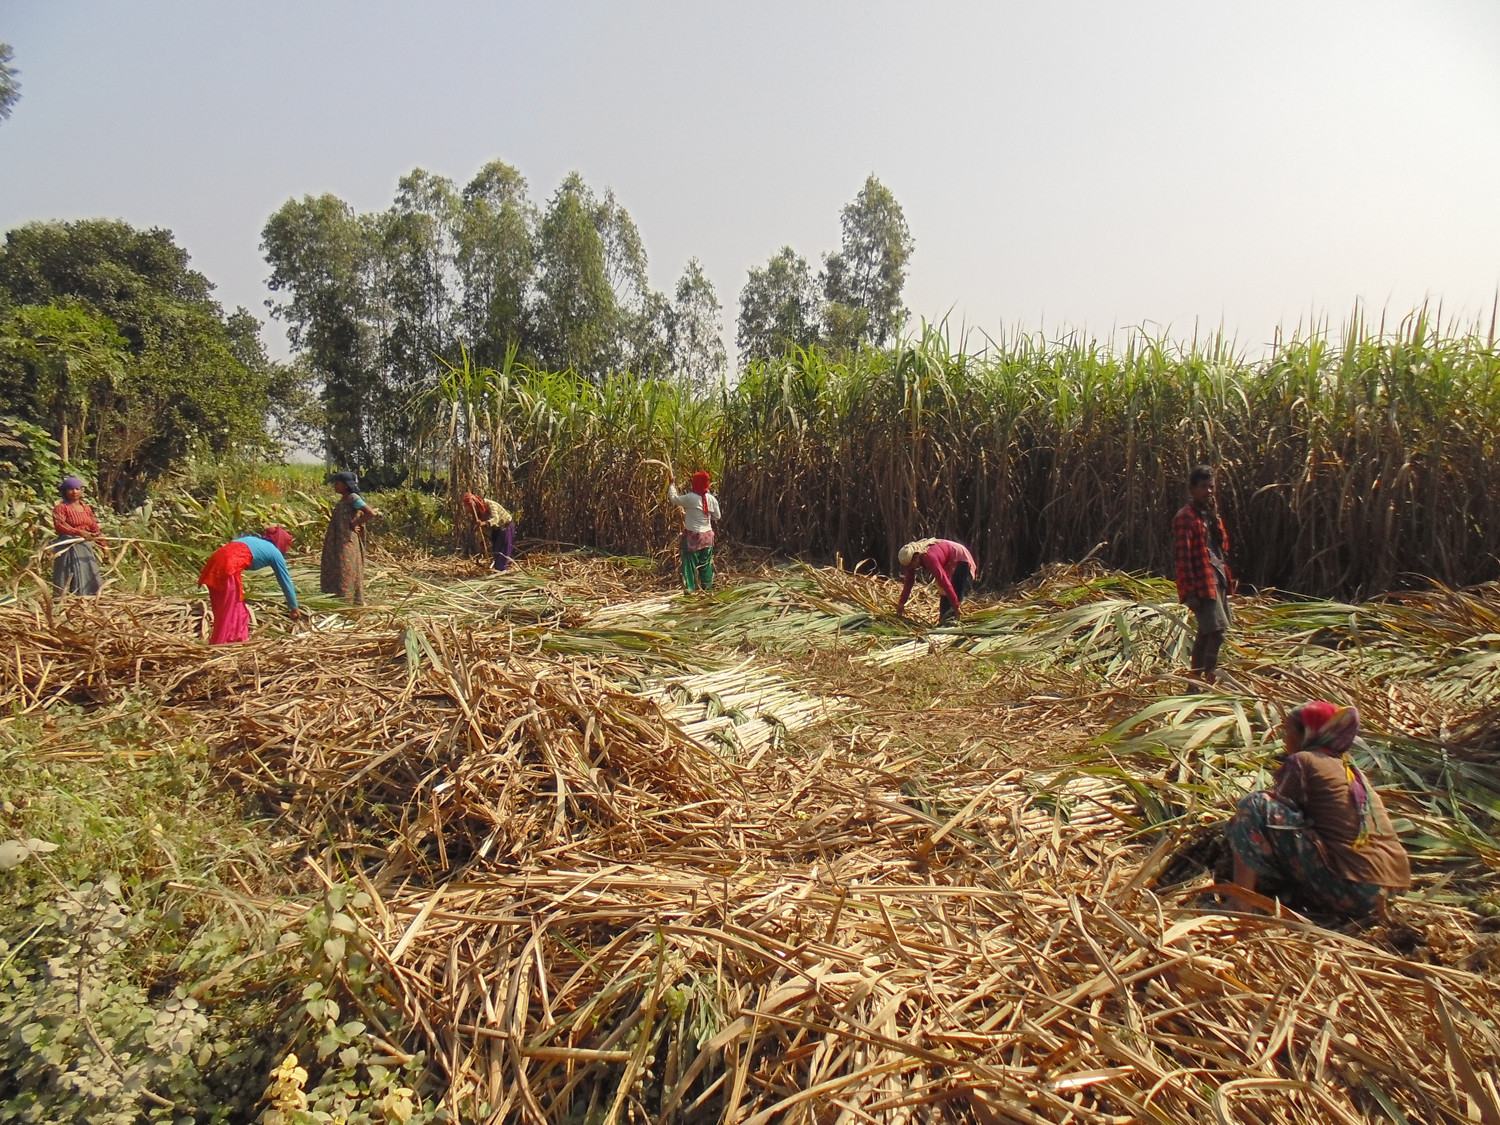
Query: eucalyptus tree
{"type": "Point", "coordinates": [780, 308]}
{"type": "Point", "coordinates": [497, 264]}
{"type": "Point", "coordinates": [10, 89]}
{"type": "Point", "coordinates": [862, 281]}
{"type": "Point", "coordinates": [418, 289]}
{"type": "Point", "coordinates": [696, 332]}
{"type": "Point", "coordinates": [594, 311]}
{"type": "Point", "coordinates": [322, 256]}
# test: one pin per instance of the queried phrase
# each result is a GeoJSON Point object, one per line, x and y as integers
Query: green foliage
{"type": "Point", "coordinates": [10, 89]}
{"type": "Point", "coordinates": [696, 333]}
{"type": "Point", "coordinates": [321, 255]}
{"type": "Point", "coordinates": [779, 308]}
{"type": "Point", "coordinates": [782, 309]}
{"type": "Point", "coordinates": [168, 992]}
{"type": "Point", "coordinates": [377, 304]}
{"type": "Point", "coordinates": [863, 280]}
{"type": "Point", "coordinates": [421, 519]}
{"type": "Point", "coordinates": [112, 335]}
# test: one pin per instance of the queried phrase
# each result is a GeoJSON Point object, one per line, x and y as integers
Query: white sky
{"type": "Point", "coordinates": [1080, 164]}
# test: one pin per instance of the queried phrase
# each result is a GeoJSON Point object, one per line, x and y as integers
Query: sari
{"type": "Point", "coordinates": [342, 572]}
{"type": "Point", "coordinates": [224, 575]}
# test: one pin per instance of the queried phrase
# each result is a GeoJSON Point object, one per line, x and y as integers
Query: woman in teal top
{"type": "Point", "coordinates": [223, 574]}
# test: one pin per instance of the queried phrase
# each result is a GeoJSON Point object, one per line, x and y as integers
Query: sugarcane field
{"type": "Point", "coordinates": [994, 620]}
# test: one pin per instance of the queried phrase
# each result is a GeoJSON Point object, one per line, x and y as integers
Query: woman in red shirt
{"type": "Point", "coordinates": [75, 567]}
{"type": "Point", "coordinates": [950, 565]}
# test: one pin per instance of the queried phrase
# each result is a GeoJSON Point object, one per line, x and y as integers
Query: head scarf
{"type": "Point", "coordinates": [699, 485]}
{"type": "Point", "coordinates": [1327, 726]}
{"type": "Point", "coordinates": [912, 550]}
{"type": "Point", "coordinates": [1333, 729]}
{"type": "Point", "coordinates": [476, 503]}
{"type": "Point", "coordinates": [279, 537]}
{"type": "Point", "coordinates": [69, 483]}
{"type": "Point", "coordinates": [345, 478]}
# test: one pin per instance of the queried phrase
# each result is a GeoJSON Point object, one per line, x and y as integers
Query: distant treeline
{"type": "Point", "coordinates": [1350, 465]}
{"type": "Point", "coordinates": [376, 303]}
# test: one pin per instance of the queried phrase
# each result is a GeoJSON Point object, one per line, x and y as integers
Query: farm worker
{"type": "Point", "coordinates": [950, 565]}
{"type": "Point", "coordinates": [75, 568]}
{"type": "Point", "coordinates": [342, 572]}
{"type": "Point", "coordinates": [700, 508]}
{"type": "Point", "coordinates": [497, 525]}
{"type": "Point", "coordinates": [1320, 834]}
{"type": "Point", "coordinates": [1204, 580]}
{"type": "Point", "coordinates": [224, 572]}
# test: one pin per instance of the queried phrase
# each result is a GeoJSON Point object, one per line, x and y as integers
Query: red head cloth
{"type": "Point", "coordinates": [474, 502]}
{"type": "Point", "coordinates": [1327, 726]}
{"type": "Point", "coordinates": [700, 486]}
{"type": "Point", "coordinates": [279, 536]}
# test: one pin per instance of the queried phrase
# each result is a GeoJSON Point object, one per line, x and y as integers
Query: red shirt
{"type": "Point", "coordinates": [1195, 569]}
{"type": "Point", "coordinates": [74, 520]}
{"type": "Point", "coordinates": [939, 561]}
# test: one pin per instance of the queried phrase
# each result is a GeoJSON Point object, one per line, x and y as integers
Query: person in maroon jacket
{"type": "Point", "coordinates": [950, 565]}
{"type": "Point", "coordinates": [1204, 580]}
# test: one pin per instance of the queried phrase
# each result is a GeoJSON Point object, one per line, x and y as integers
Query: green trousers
{"type": "Point", "coordinates": [698, 569]}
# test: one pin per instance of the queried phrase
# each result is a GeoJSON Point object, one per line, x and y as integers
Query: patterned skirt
{"type": "Point", "coordinates": [1273, 839]}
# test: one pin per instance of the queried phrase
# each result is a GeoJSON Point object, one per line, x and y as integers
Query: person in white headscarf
{"type": "Point", "coordinates": [950, 565]}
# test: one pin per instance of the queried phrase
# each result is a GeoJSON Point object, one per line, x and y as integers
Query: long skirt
{"type": "Point", "coordinates": [1273, 839]}
{"type": "Point", "coordinates": [503, 545]}
{"type": "Point", "coordinates": [224, 575]}
{"type": "Point", "coordinates": [75, 569]}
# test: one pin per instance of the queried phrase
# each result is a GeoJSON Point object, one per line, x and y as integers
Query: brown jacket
{"type": "Point", "coordinates": [1316, 783]}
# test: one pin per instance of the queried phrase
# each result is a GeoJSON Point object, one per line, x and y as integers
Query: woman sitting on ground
{"type": "Point", "coordinates": [224, 573]}
{"type": "Point", "coordinates": [950, 565]}
{"type": "Point", "coordinates": [1320, 835]}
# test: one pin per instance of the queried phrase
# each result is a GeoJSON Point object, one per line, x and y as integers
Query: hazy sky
{"type": "Point", "coordinates": [1076, 164]}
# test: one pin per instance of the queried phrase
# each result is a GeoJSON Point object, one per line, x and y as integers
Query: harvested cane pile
{"type": "Point", "coordinates": [582, 914]}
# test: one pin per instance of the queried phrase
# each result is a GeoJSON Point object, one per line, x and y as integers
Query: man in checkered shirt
{"type": "Point", "coordinates": [1204, 580]}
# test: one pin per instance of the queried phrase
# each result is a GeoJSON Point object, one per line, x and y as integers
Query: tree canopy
{"type": "Point", "coordinates": [378, 304]}
{"type": "Point", "coordinates": [855, 299]}
{"type": "Point", "coordinates": [10, 88]}
{"type": "Point", "coordinates": [105, 330]}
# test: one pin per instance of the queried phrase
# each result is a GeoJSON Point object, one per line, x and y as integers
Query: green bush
{"type": "Point", "coordinates": [420, 519]}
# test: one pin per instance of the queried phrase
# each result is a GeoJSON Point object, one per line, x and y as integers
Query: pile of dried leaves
{"type": "Point", "coordinates": [585, 914]}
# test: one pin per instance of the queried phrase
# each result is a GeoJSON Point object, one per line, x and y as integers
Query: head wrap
{"type": "Point", "coordinates": [1333, 729]}
{"type": "Point", "coordinates": [279, 537]}
{"type": "Point", "coordinates": [913, 549]}
{"type": "Point", "coordinates": [345, 478]}
{"type": "Point", "coordinates": [68, 484]}
{"type": "Point", "coordinates": [477, 503]}
{"type": "Point", "coordinates": [700, 483]}
{"type": "Point", "coordinates": [1327, 726]}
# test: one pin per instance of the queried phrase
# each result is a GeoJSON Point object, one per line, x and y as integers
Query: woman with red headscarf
{"type": "Point", "coordinates": [498, 527]}
{"type": "Point", "coordinates": [223, 574]}
{"type": "Point", "coordinates": [700, 508]}
{"type": "Point", "coordinates": [1320, 835]}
